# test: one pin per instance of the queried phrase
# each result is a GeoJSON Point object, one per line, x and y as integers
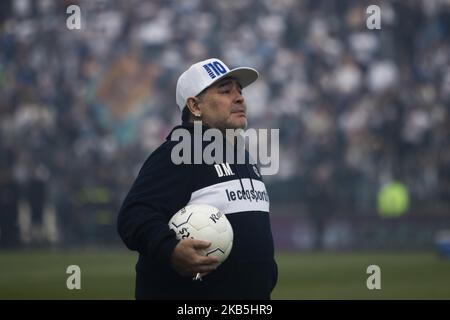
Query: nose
{"type": "Point", "coordinates": [239, 98]}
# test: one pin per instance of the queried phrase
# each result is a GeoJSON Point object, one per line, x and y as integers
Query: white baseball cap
{"type": "Point", "coordinates": [203, 74]}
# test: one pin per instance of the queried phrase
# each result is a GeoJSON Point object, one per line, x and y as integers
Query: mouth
{"type": "Point", "coordinates": [241, 113]}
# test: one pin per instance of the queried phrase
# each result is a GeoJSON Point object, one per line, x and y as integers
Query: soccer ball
{"type": "Point", "coordinates": [204, 222]}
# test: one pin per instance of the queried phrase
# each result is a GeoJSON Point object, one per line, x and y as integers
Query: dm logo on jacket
{"type": "Point", "coordinates": [223, 169]}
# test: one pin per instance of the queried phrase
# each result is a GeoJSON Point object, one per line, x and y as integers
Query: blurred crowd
{"type": "Point", "coordinates": [80, 110]}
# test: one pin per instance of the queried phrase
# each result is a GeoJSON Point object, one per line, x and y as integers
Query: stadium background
{"type": "Point", "coordinates": [364, 136]}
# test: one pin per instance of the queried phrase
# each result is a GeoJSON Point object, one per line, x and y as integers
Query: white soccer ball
{"type": "Point", "coordinates": [204, 222]}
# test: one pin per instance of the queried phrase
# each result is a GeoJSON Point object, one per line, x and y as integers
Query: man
{"type": "Point", "coordinates": [212, 93]}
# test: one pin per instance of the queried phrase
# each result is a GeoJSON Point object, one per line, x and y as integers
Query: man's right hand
{"type": "Point", "coordinates": [187, 261]}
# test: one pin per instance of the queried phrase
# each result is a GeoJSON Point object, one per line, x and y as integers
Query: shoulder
{"type": "Point", "coordinates": [163, 152]}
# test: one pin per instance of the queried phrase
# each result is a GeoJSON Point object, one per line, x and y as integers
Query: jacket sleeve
{"type": "Point", "coordinates": [160, 190]}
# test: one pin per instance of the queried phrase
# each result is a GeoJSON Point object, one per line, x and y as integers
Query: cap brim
{"type": "Point", "coordinates": [245, 76]}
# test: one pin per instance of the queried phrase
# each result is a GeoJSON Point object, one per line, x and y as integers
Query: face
{"type": "Point", "coordinates": [222, 105]}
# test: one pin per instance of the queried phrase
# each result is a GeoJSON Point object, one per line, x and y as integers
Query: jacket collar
{"type": "Point", "coordinates": [188, 126]}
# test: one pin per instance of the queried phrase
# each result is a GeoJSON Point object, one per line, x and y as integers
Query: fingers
{"type": "Point", "coordinates": [205, 264]}
{"type": "Point", "coordinates": [202, 270]}
{"type": "Point", "coordinates": [201, 261]}
{"type": "Point", "coordinates": [188, 258]}
{"type": "Point", "coordinates": [200, 244]}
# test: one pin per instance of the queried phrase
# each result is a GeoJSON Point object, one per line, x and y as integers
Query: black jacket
{"type": "Point", "coordinates": [160, 190]}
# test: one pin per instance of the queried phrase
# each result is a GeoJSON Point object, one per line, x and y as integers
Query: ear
{"type": "Point", "coordinates": [193, 105]}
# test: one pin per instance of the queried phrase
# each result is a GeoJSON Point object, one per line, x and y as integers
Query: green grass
{"type": "Point", "coordinates": [42, 275]}
{"type": "Point", "coordinates": [109, 274]}
{"type": "Point", "coordinates": [343, 276]}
